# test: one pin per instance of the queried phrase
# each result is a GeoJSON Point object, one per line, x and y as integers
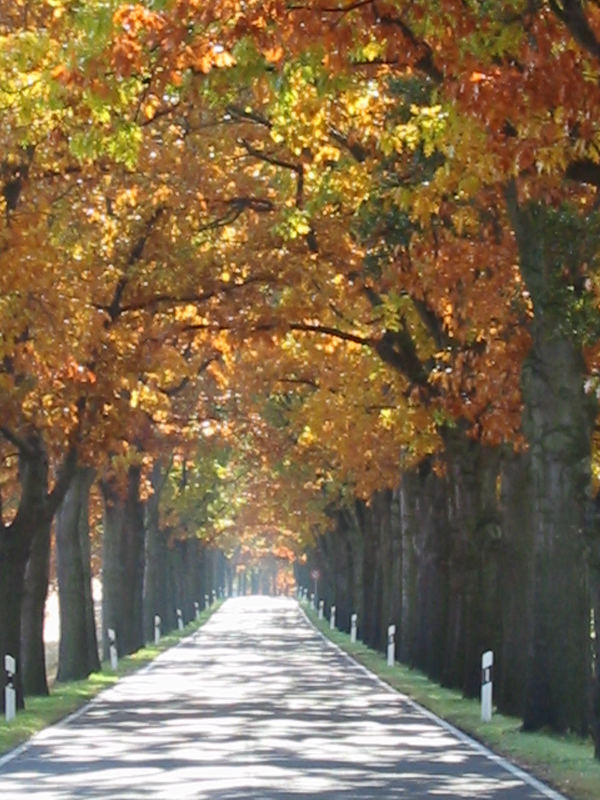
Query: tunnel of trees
{"type": "Point", "coordinates": [308, 283]}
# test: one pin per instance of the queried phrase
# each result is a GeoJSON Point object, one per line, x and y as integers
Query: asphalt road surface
{"type": "Point", "coordinates": [255, 705]}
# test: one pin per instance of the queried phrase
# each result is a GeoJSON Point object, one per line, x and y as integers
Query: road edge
{"type": "Point", "coordinates": [502, 761]}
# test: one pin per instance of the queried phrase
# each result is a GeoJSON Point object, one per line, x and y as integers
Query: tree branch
{"type": "Point", "coordinates": [20, 443]}
{"type": "Point", "coordinates": [571, 12]}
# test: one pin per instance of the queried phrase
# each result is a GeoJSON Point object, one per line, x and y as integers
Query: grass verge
{"type": "Point", "coordinates": [65, 698]}
{"type": "Point", "coordinates": [565, 762]}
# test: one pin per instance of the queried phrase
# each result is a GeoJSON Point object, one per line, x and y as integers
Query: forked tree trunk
{"type": "Point", "coordinates": [78, 647]}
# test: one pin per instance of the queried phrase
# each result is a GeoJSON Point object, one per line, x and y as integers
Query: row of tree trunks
{"type": "Point", "coordinates": [450, 558]}
{"type": "Point", "coordinates": [146, 571]}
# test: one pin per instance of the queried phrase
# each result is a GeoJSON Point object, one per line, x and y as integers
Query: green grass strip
{"type": "Point", "coordinates": [67, 697]}
{"type": "Point", "coordinates": [564, 762]}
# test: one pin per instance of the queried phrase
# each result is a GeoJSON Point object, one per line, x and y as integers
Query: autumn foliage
{"type": "Point", "coordinates": [295, 251]}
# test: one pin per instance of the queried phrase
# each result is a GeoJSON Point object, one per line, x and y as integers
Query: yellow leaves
{"type": "Point", "coordinates": [273, 55]}
{"type": "Point", "coordinates": [127, 198]}
{"type": "Point", "coordinates": [205, 55]}
{"type": "Point", "coordinates": [307, 437]}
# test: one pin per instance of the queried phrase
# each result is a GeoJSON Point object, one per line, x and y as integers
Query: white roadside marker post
{"type": "Point", "coordinates": [156, 629]}
{"type": "Point", "coordinates": [10, 695]}
{"type": "Point", "coordinates": [214, 596]}
{"type": "Point", "coordinates": [332, 618]}
{"type": "Point", "coordinates": [391, 648]}
{"type": "Point", "coordinates": [487, 662]}
{"type": "Point", "coordinates": [112, 649]}
{"type": "Point", "coordinates": [197, 609]}
{"type": "Point", "coordinates": [321, 608]}
{"type": "Point", "coordinates": [179, 619]}
{"type": "Point", "coordinates": [353, 624]}
{"type": "Point", "coordinates": [205, 601]}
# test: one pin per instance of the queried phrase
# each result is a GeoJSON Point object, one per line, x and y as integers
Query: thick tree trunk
{"type": "Point", "coordinates": [407, 638]}
{"type": "Point", "coordinates": [78, 648]}
{"type": "Point", "coordinates": [14, 552]}
{"type": "Point", "coordinates": [431, 551]}
{"type": "Point", "coordinates": [123, 565]}
{"type": "Point", "coordinates": [474, 537]}
{"type": "Point", "coordinates": [35, 512]}
{"type": "Point", "coordinates": [559, 432]}
{"type": "Point", "coordinates": [372, 584]}
{"type": "Point", "coordinates": [595, 587]}
{"type": "Point", "coordinates": [558, 422]}
{"type": "Point", "coordinates": [516, 584]}
{"type": "Point", "coordinates": [156, 578]}
{"type": "Point", "coordinates": [33, 654]}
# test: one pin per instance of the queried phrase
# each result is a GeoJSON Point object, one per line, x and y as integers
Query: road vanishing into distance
{"type": "Point", "coordinates": [256, 704]}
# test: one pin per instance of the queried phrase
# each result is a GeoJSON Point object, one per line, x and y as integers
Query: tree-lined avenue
{"type": "Point", "coordinates": [255, 705]}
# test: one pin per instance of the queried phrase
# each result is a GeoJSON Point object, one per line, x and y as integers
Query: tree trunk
{"type": "Point", "coordinates": [516, 584]}
{"type": "Point", "coordinates": [14, 553]}
{"type": "Point", "coordinates": [123, 565]}
{"type": "Point", "coordinates": [33, 654]}
{"type": "Point", "coordinates": [78, 648]}
{"type": "Point", "coordinates": [35, 512]}
{"type": "Point", "coordinates": [474, 536]}
{"type": "Point", "coordinates": [594, 562]}
{"type": "Point", "coordinates": [156, 586]}
{"type": "Point", "coordinates": [558, 422]}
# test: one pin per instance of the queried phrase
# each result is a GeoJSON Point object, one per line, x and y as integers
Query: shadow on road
{"type": "Point", "coordinates": [255, 705]}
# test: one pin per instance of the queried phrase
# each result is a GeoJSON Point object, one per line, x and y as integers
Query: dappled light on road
{"type": "Point", "coordinates": [255, 705]}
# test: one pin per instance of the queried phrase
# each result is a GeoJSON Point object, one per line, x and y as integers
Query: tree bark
{"type": "Point", "coordinates": [33, 654]}
{"type": "Point", "coordinates": [516, 584]}
{"type": "Point", "coordinates": [123, 564]}
{"type": "Point", "coordinates": [156, 577]}
{"type": "Point", "coordinates": [558, 422]}
{"type": "Point", "coordinates": [36, 508]}
{"type": "Point", "coordinates": [78, 647]}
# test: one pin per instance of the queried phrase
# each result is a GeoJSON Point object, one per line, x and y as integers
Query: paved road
{"type": "Point", "coordinates": [255, 705]}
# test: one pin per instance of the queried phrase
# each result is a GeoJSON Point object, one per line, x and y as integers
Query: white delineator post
{"type": "Point", "coordinates": [197, 609]}
{"type": "Point", "coordinates": [321, 608]}
{"type": "Point", "coordinates": [214, 596]}
{"type": "Point", "coordinates": [487, 662]}
{"type": "Point", "coordinates": [156, 629]}
{"type": "Point", "coordinates": [112, 649]}
{"type": "Point", "coordinates": [353, 624]}
{"type": "Point", "coordinates": [391, 648]}
{"type": "Point", "coordinates": [205, 601]}
{"type": "Point", "coordinates": [10, 695]}
{"type": "Point", "coordinates": [179, 619]}
{"type": "Point", "coordinates": [332, 618]}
